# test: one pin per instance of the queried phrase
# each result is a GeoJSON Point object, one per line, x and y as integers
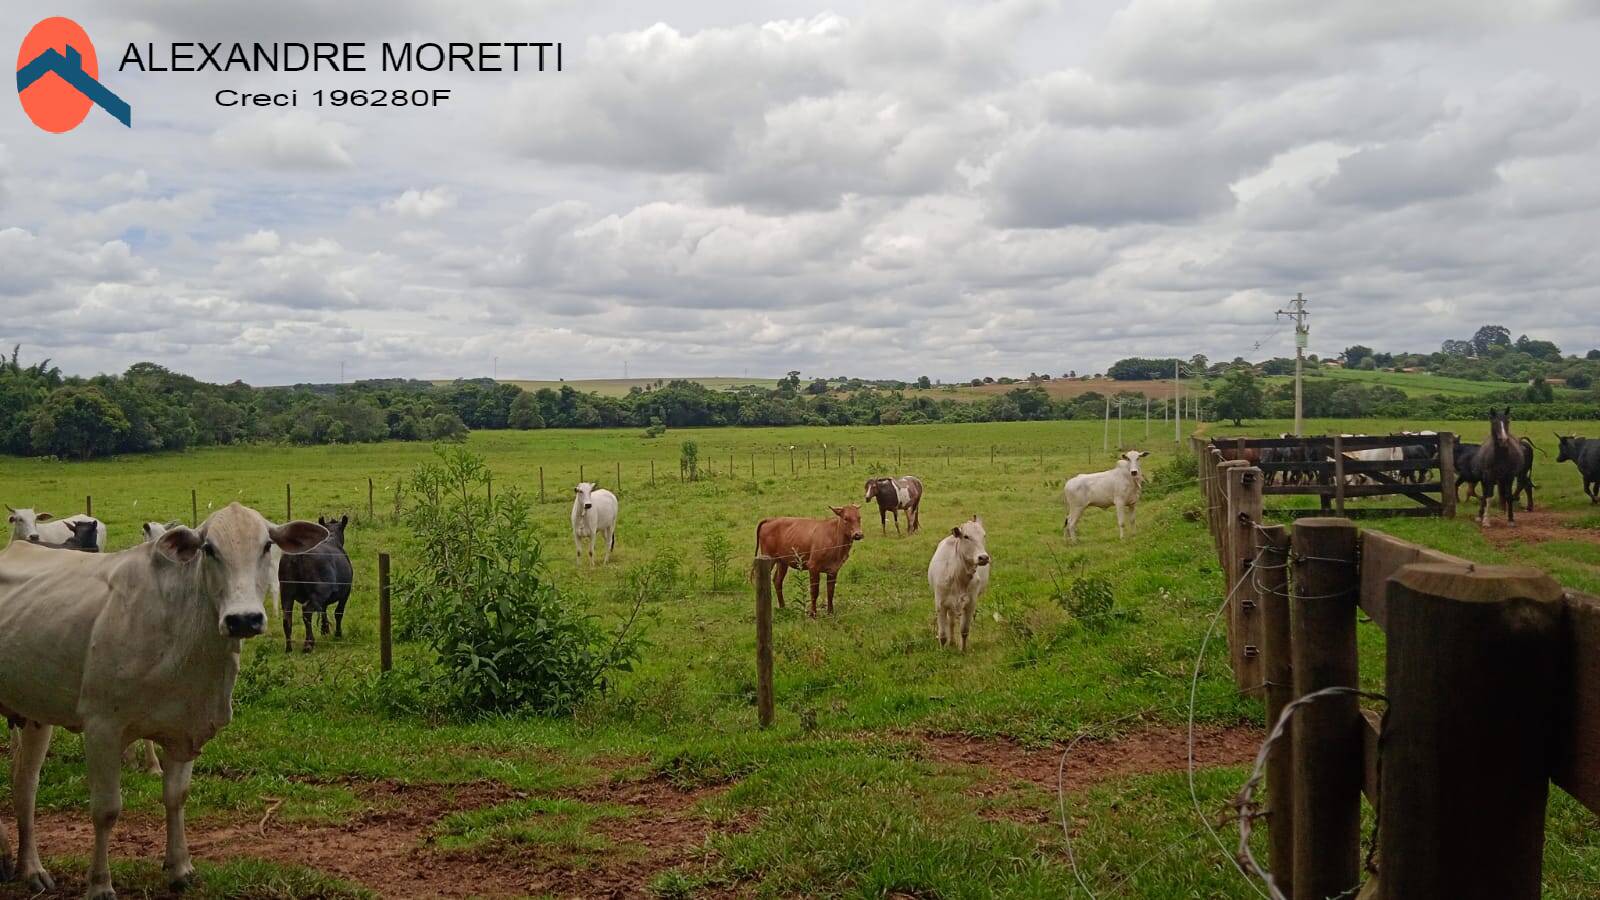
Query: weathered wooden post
{"type": "Point", "coordinates": [1327, 734]}
{"type": "Point", "coordinates": [397, 499]}
{"type": "Point", "coordinates": [369, 498]}
{"type": "Point", "coordinates": [1244, 516]}
{"type": "Point", "coordinates": [541, 480]}
{"type": "Point", "coordinates": [488, 485]}
{"type": "Point", "coordinates": [580, 473]}
{"type": "Point", "coordinates": [897, 456]}
{"type": "Point", "coordinates": [1447, 473]}
{"type": "Point", "coordinates": [852, 454]}
{"type": "Point", "coordinates": [1277, 663]}
{"type": "Point", "coordinates": [288, 502]}
{"type": "Point", "coordinates": [88, 506]}
{"type": "Point", "coordinates": [652, 474]}
{"type": "Point", "coordinates": [1338, 475]}
{"type": "Point", "coordinates": [764, 699]}
{"type": "Point", "coordinates": [385, 647]}
{"type": "Point", "coordinates": [791, 460]}
{"type": "Point", "coordinates": [194, 508]}
{"type": "Point", "coordinates": [619, 477]}
{"type": "Point", "coordinates": [1475, 660]}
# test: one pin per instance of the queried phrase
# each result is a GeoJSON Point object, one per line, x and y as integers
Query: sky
{"type": "Point", "coordinates": [886, 189]}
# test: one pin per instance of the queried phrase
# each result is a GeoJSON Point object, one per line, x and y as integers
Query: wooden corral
{"type": "Point", "coordinates": [1492, 685]}
{"type": "Point", "coordinates": [1325, 469]}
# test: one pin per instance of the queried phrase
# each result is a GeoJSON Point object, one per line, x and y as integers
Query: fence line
{"type": "Point", "coordinates": [1496, 658]}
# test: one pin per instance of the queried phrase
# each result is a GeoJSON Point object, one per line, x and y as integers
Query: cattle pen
{"type": "Point", "coordinates": [1322, 467]}
{"type": "Point", "coordinates": [1490, 692]}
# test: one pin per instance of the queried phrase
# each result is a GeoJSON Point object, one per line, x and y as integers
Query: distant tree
{"type": "Point", "coordinates": [1545, 350]}
{"type": "Point", "coordinates": [789, 385]}
{"type": "Point", "coordinates": [1278, 365]}
{"type": "Point", "coordinates": [988, 379]}
{"type": "Point", "coordinates": [447, 426]}
{"type": "Point", "coordinates": [1368, 364]}
{"type": "Point", "coordinates": [1490, 339]}
{"type": "Point", "coordinates": [975, 382]}
{"type": "Point", "coordinates": [1199, 364]}
{"type": "Point", "coordinates": [1355, 353]}
{"type": "Point", "coordinates": [1539, 391]}
{"type": "Point", "coordinates": [924, 382]}
{"type": "Point", "coordinates": [817, 387]}
{"type": "Point", "coordinates": [1580, 380]}
{"type": "Point", "coordinates": [1456, 348]}
{"type": "Point", "coordinates": [1592, 354]}
{"type": "Point", "coordinates": [1239, 396]}
{"type": "Point", "coordinates": [525, 413]}
{"type": "Point", "coordinates": [79, 423]}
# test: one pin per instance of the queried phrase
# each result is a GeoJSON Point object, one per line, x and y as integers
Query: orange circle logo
{"type": "Point", "coordinates": [58, 75]}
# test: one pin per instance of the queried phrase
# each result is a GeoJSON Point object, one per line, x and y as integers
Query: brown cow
{"type": "Point", "coordinates": [816, 545]}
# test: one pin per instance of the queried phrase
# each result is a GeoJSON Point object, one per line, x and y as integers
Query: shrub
{"type": "Point", "coordinates": [689, 460]}
{"type": "Point", "coordinates": [718, 551]}
{"type": "Point", "coordinates": [506, 637]}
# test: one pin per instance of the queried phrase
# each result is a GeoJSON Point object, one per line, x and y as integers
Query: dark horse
{"type": "Point", "coordinates": [1499, 461]}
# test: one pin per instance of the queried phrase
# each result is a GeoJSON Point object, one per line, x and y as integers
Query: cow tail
{"type": "Point", "coordinates": [752, 573]}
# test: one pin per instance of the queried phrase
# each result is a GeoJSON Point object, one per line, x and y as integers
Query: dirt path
{"type": "Point", "coordinates": [390, 848]}
{"type": "Point", "coordinates": [1537, 527]}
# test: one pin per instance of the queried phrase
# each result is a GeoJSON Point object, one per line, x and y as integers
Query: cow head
{"type": "Point", "coordinates": [1132, 458]}
{"type": "Point", "coordinates": [335, 528]}
{"type": "Point", "coordinates": [25, 523]}
{"type": "Point", "coordinates": [585, 495]}
{"type": "Point", "coordinates": [233, 550]}
{"type": "Point", "coordinates": [1500, 425]}
{"type": "Point", "coordinates": [85, 535]}
{"type": "Point", "coordinates": [971, 544]}
{"type": "Point", "coordinates": [851, 516]}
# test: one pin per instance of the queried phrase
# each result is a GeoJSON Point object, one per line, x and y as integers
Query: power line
{"type": "Point", "coordinates": [1302, 333]}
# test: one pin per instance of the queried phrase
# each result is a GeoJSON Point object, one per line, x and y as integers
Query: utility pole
{"type": "Point", "coordinates": [341, 371]}
{"type": "Point", "coordinates": [1177, 402]}
{"type": "Point", "coordinates": [497, 368]}
{"type": "Point", "coordinates": [1301, 333]}
{"type": "Point", "coordinates": [1105, 437]}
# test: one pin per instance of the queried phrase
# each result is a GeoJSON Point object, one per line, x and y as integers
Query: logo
{"type": "Point", "coordinates": [58, 77]}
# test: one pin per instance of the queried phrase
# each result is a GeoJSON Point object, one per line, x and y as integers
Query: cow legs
{"type": "Point", "coordinates": [914, 517]}
{"type": "Point", "coordinates": [1508, 499]}
{"type": "Point", "coordinates": [311, 640]}
{"type": "Point", "coordinates": [27, 756]}
{"type": "Point", "coordinates": [611, 541]}
{"type": "Point", "coordinates": [941, 622]}
{"type": "Point", "coordinates": [897, 522]}
{"type": "Point", "coordinates": [1133, 519]}
{"type": "Point", "coordinates": [577, 549]}
{"type": "Point", "coordinates": [1072, 524]}
{"type": "Point", "coordinates": [1122, 515]}
{"type": "Point", "coordinates": [883, 521]}
{"type": "Point", "coordinates": [779, 570]}
{"type": "Point", "coordinates": [1483, 506]}
{"type": "Point", "coordinates": [833, 578]}
{"type": "Point", "coordinates": [327, 629]}
{"type": "Point", "coordinates": [131, 753]}
{"type": "Point", "coordinates": [174, 793]}
{"type": "Point", "coordinates": [102, 750]}
{"type": "Point", "coordinates": [338, 619]}
{"type": "Point", "coordinates": [816, 583]}
{"type": "Point", "coordinates": [967, 609]}
{"type": "Point", "coordinates": [288, 625]}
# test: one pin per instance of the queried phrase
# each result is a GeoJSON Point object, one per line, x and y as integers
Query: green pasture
{"type": "Point", "coordinates": [1420, 384]}
{"type": "Point", "coordinates": [843, 797]}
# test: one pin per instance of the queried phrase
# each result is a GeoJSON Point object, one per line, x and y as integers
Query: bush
{"type": "Point", "coordinates": [689, 460]}
{"type": "Point", "coordinates": [506, 637]}
{"type": "Point", "coordinates": [719, 551]}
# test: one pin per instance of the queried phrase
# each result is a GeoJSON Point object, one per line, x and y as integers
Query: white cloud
{"type": "Point", "coordinates": [423, 204]}
{"type": "Point", "coordinates": [294, 140]}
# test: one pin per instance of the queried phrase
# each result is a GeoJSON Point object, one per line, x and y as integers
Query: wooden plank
{"type": "Point", "coordinates": [1244, 605]}
{"type": "Point", "coordinates": [1447, 473]}
{"type": "Point", "coordinates": [1382, 556]}
{"type": "Point", "coordinates": [1277, 663]}
{"type": "Point", "coordinates": [1371, 729]}
{"type": "Point", "coordinates": [1361, 442]}
{"type": "Point", "coordinates": [1577, 768]}
{"type": "Point", "coordinates": [1356, 490]}
{"type": "Point", "coordinates": [1353, 466]}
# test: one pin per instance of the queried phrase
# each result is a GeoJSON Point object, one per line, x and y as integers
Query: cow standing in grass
{"type": "Point", "coordinates": [820, 546]}
{"type": "Point", "coordinates": [594, 516]}
{"type": "Point", "coordinates": [893, 495]}
{"type": "Point", "coordinates": [317, 580]}
{"type": "Point", "coordinates": [1117, 487]}
{"type": "Point", "coordinates": [1500, 461]}
{"type": "Point", "coordinates": [28, 525]}
{"type": "Point", "coordinates": [1585, 454]}
{"type": "Point", "coordinates": [959, 575]}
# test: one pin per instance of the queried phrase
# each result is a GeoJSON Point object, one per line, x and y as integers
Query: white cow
{"type": "Point", "coordinates": [594, 516]}
{"type": "Point", "coordinates": [139, 644]}
{"type": "Point", "coordinates": [27, 525]}
{"type": "Point", "coordinates": [1118, 487]}
{"type": "Point", "coordinates": [959, 575]}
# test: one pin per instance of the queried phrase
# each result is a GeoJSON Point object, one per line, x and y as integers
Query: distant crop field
{"type": "Point", "coordinates": [1059, 388]}
{"type": "Point", "coordinates": [618, 387]}
{"type": "Point", "coordinates": [1417, 384]}
{"type": "Point", "coordinates": [894, 766]}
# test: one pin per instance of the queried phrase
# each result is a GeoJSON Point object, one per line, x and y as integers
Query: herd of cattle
{"type": "Point", "coordinates": [144, 644]}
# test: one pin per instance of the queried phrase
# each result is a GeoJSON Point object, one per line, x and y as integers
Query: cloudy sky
{"type": "Point", "coordinates": [883, 189]}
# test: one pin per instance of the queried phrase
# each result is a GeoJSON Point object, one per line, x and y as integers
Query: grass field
{"type": "Point", "coordinates": [894, 767]}
{"type": "Point", "coordinates": [1421, 384]}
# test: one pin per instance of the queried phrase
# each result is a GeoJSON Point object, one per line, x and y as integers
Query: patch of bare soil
{"type": "Point", "coordinates": [1092, 761]}
{"type": "Point", "coordinates": [388, 848]}
{"type": "Point", "coordinates": [1537, 527]}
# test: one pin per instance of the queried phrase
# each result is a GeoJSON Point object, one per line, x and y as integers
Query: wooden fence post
{"type": "Point", "coordinates": [194, 508]}
{"type": "Point", "coordinates": [1244, 516]}
{"type": "Point", "coordinates": [764, 699]}
{"type": "Point", "coordinates": [369, 498]}
{"type": "Point", "coordinates": [580, 473]}
{"type": "Point", "coordinates": [791, 460]}
{"type": "Point", "coordinates": [541, 483]}
{"type": "Point", "coordinates": [1327, 747]}
{"type": "Point", "coordinates": [897, 456]}
{"type": "Point", "coordinates": [397, 499]}
{"type": "Point", "coordinates": [619, 477]}
{"type": "Point", "coordinates": [652, 475]}
{"type": "Point", "coordinates": [385, 647]}
{"type": "Point", "coordinates": [1338, 475]}
{"type": "Point", "coordinates": [1447, 473]}
{"type": "Point", "coordinates": [288, 502]}
{"type": "Point", "coordinates": [488, 484]}
{"type": "Point", "coordinates": [1465, 774]}
{"type": "Point", "coordinates": [852, 454]}
{"type": "Point", "coordinates": [1277, 663]}
{"type": "Point", "coordinates": [88, 506]}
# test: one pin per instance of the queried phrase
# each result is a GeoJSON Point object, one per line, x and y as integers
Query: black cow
{"type": "Point", "coordinates": [85, 537]}
{"type": "Point", "coordinates": [1585, 454]}
{"type": "Point", "coordinates": [316, 580]}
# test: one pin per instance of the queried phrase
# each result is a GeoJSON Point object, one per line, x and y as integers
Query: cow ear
{"type": "Point", "coordinates": [837, 510]}
{"type": "Point", "coordinates": [956, 531]}
{"type": "Point", "coordinates": [1143, 453]}
{"type": "Point", "coordinates": [297, 537]}
{"type": "Point", "coordinates": [180, 545]}
{"type": "Point", "coordinates": [43, 517]}
{"type": "Point", "coordinates": [344, 520]}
